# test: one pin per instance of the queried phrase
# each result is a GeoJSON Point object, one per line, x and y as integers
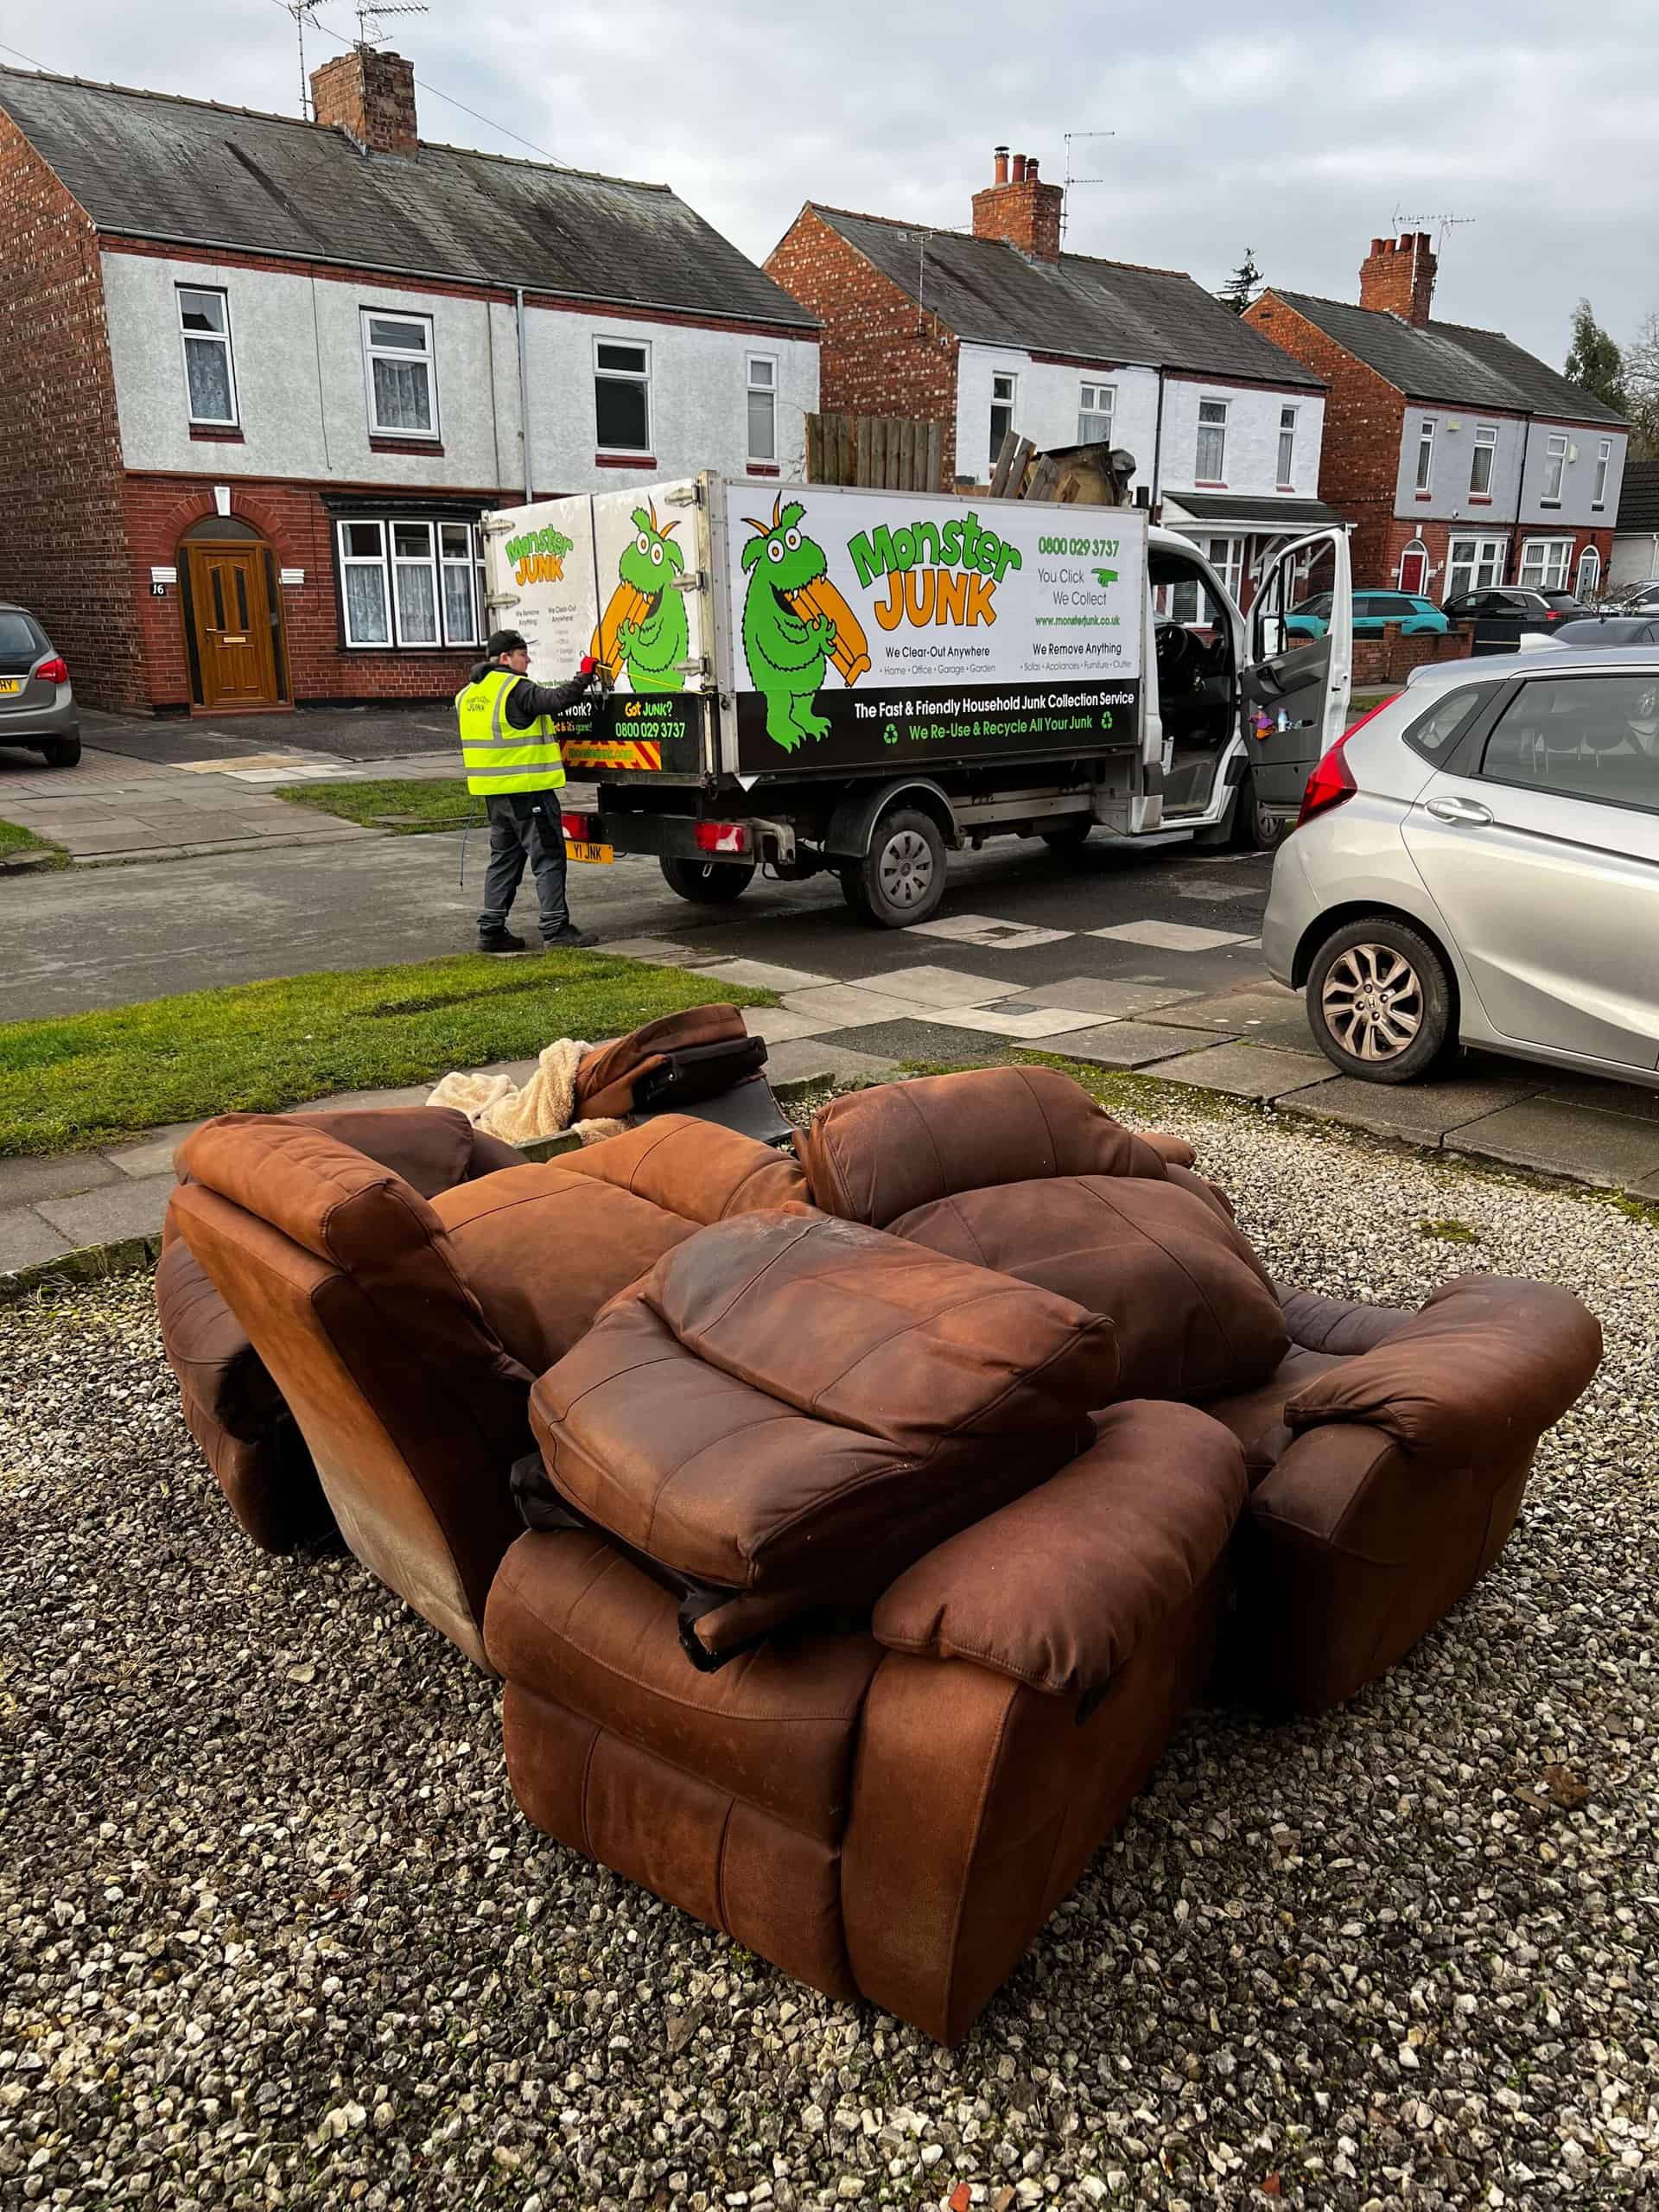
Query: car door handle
{"type": "Point", "coordinates": [1459, 810]}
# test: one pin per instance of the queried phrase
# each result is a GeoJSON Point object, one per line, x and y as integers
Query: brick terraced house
{"type": "Point", "coordinates": [1003, 330]}
{"type": "Point", "coordinates": [1462, 460]}
{"type": "Point", "coordinates": [259, 376]}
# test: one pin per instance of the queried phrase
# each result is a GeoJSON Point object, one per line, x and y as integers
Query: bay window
{"type": "Point", "coordinates": [410, 583]}
{"type": "Point", "coordinates": [1545, 561]}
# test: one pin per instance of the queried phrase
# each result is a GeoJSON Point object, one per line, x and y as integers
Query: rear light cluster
{"type": "Point", "coordinates": [579, 827]}
{"type": "Point", "coordinates": [721, 837]}
{"type": "Point", "coordinates": [55, 670]}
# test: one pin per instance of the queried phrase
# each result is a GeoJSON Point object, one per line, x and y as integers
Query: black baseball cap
{"type": "Point", "coordinates": [505, 641]}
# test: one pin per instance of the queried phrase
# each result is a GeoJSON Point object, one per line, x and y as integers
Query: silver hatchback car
{"type": "Point", "coordinates": [37, 702]}
{"type": "Point", "coordinates": [1477, 862]}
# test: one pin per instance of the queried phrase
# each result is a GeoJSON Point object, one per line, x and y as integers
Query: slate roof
{"type": "Point", "coordinates": [1638, 496]}
{"type": "Point", "coordinates": [151, 165]}
{"type": "Point", "coordinates": [1240, 507]}
{"type": "Point", "coordinates": [1449, 363]}
{"type": "Point", "coordinates": [1102, 311]}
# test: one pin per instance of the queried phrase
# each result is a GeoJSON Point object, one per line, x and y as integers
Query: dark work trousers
{"type": "Point", "coordinates": [524, 824]}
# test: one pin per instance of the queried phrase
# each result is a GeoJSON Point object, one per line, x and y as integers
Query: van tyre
{"type": "Point", "coordinates": [900, 879]}
{"type": "Point", "coordinates": [1070, 835]}
{"type": "Point", "coordinates": [1254, 830]}
{"type": "Point", "coordinates": [62, 753]}
{"type": "Point", "coordinates": [1380, 1002]}
{"type": "Point", "coordinates": [706, 883]}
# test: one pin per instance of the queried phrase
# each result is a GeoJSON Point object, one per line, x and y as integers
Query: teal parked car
{"type": "Point", "coordinates": [1371, 610]}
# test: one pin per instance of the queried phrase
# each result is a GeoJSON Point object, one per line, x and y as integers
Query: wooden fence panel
{"type": "Point", "coordinates": [878, 451]}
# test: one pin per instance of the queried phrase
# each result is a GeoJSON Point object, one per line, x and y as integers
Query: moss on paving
{"type": "Point", "coordinates": [403, 807]}
{"type": "Point", "coordinates": [1449, 1231]}
{"type": "Point", "coordinates": [15, 840]}
{"type": "Point", "coordinates": [85, 1080]}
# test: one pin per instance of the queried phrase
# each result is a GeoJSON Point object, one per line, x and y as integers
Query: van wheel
{"type": "Point", "coordinates": [1253, 829]}
{"type": "Point", "coordinates": [1071, 836]}
{"type": "Point", "coordinates": [62, 753]}
{"type": "Point", "coordinates": [900, 881]}
{"type": "Point", "coordinates": [1379, 1002]}
{"type": "Point", "coordinates": [706, 883]}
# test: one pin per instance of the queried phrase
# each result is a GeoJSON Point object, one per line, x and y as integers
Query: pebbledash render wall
{"type": "Point", "coordinates": [879, 353]}
{"type": "Point", "coordinates": [63, 533]}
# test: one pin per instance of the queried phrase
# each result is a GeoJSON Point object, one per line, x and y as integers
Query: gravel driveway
{"type": "Point", "coordinates": [272, 1932]}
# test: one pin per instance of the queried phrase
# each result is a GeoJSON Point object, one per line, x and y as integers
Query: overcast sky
{"type": "Point", "coordinates": [1299, 131]}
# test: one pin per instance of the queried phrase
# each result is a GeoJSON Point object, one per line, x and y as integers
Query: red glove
{"type": "Point", "coordinates": [589, 664]}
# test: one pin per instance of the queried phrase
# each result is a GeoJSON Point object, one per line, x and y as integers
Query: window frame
{"type": "Point", "coordinates": [1093, 388]}
{"type": "Point", "coordinates": [751, 391]}
{"type": "Point", "coordinates": [1486, 444]}
{"type": "Point", "coordinates": [1482, 694]}
{"type": "Point", "coordinates": [1007, 403]}
{"type": "Point", "coordinates": [187, 338]}
{"type": "Point", "coordinates": [1228, 565]}
{"type": "Point", "coordinates": [471, 562]}
{"type": "Point", "coordinates": [1555, 447]}
{"type": "Point", "coordinates": [388, 561]}
{"type": "Point", "coordinates": [1488, 550]}
{"type": "Point", "coordinates": [1217, 429]}
{"type": "Point", "coordinates": [1604, 469]}
{"type": "Point", "coordinates": [1551, 578]}
{"type": "Point", "coordinates": [395, 523]}
{"type": "Point", "coordinates": [429, 360]}
{"type": "Point", "coordinates": [1587, 555]}
{"type": "Point", "coordinates": [1285, 475]}
{"type": "Point", "coordinates": [642, 378]}
{"type": "Point", "coordinates": [1424, 483]}
{"type": "Point", "coordinates": [344, 560]}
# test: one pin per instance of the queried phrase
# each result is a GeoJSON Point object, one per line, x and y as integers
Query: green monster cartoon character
{"type": "Point", "coordinates": [654, 646]}
{"type": "Point", "coordinates": [786, 654]}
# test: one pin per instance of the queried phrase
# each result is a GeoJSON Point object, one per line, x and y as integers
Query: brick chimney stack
{"type": "Point", "coordinates": [370, 97]}
{"type": "Point", "coordinates": [1022, 210]}
{"type": "Point", "coordinates": [1397, 277]}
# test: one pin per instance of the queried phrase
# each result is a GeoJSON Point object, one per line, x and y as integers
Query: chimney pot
{"type": "Point", "coordinates": [1002, 171]}
{"type": "Point", "coordinates": [1018, 168]}
{"type": "Point", "coordinates": [1031, 170]}
{"type": "Point", "coordinates": [1378, 245]}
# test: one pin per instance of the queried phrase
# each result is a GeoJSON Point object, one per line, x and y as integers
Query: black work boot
{"type": "Point", "coordinates": [499, 941]}
{"type": "Point", "coordinates": [569, 940]}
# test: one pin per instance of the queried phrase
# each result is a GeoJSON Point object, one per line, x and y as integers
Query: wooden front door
{"type": "Point", "coordinates": [234, 647]}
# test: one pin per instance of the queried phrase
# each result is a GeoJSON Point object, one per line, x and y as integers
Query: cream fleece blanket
{"type": "Point", "coordinates": [541, 1108]}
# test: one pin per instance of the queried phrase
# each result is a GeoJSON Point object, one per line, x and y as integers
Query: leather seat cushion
{"type": "Point", "coordinates": [695, 1169]}
{"type": "Point", "coordinates": [573, 1620]}
{"type": "Point", "coordinates": [794, 1402]}
{"type": "Point", "coordinates": [605, 1076]}
{"type": "Point", "coordinates": [544, 1249]}
{"type": "Point", "coordinates": [1194, 1317]}
{"type": "Point", "coordinates": [1256, 1417]}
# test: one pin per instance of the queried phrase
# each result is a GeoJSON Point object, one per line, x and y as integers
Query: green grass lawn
{"type": "Point", "coordinates": [406, 809]}
{"type": "Point", "coordinates": [14, 839]}
{"type": "Point", "coordinates": [90, 1079]}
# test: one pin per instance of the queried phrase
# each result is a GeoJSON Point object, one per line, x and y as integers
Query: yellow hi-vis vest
{"type": "Point", "coordinates": [497, 757]}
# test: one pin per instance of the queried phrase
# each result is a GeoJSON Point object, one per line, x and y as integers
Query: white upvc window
{"type": "Point", "coordinates": [1227, 558]}
{"type": "Point", "coordinates": [622, 394]}
{"type": "Point", "coordinates": [1424, 454]}
{"type": "Point", "coordinates": [1554, 468]}
{"type": "Point", "coordinates": [209, 370]}
{"type": "Point", "coordinates": [1285, 478]}
{"type": "Point", "coordinates": [1005, 392]}
{"type": "Point", "coordinates": [414, 583]}
{"type": "Point", "coordinates": [398, 368]}
{"type": "Point", "coordinates": [1603, 463]}
{"type": "Point", "coordinates": [1475, 565]}
{"type": "Point", "coordinates": [1096, 404]}
{"type": "Point", "coordinates": [1210, 462]}
{"type": "Point", "coordinates": [1482, 460]}
{"type": "Point", "coordinates": [1545, 561]}
{"type": "Point", "coordinates": [365, 587]}
{"type": "Point", "coordinates": [458, 547]}
{"type": "Point", "coordinates": [763, 406]}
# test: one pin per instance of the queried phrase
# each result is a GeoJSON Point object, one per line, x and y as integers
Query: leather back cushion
{"type": "Point", "coordinates": [542, 1249]}
{"type": "Point", "coordinates": [877, 1155]}
{"type": "Point", "coordinates": [1193, 1316]}
{"type": "Point", "coordinates": [606, 1075]}
{"type": "Point", "coordinates": [791, 1401]}
{"type": "Point", "coordinates": [695, 1169]}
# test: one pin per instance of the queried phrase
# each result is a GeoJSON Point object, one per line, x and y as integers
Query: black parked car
{"type": "Point", "coordinates": [1499, 612]}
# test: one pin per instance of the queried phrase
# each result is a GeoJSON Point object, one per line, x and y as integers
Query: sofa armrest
{"type": "Point", "coordinates": [1472, 1380]}
{"type": "Point", "coordinates": [1059, 1589]}
{"type": "Point", "coordinates": [1335, 1325]}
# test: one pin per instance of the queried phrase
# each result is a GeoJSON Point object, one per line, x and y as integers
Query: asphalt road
{"type": "Point", "coordinates": [106, 936]}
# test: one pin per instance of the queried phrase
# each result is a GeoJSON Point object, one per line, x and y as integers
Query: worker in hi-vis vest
{"type": "Point", "coordinates": [513, 764]}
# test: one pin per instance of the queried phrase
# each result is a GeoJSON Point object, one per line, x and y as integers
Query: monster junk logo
{"type": "Point", "coordinates": [537, 557]}
{"type": "Point", "coordinates": [936, 573]}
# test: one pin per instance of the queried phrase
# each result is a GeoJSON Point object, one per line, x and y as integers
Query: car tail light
{"type": "Point", "coordinates": [721, 837]}
{"type": "Point", "coordinates": [1331, 781]}
{"type": "Point", "coordinates": [579, 827]}
{"type": "Point", "coordinates": [55, 670]}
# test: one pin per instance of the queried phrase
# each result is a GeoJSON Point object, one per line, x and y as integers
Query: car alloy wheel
{"type": "Point", "coordinates": [1372, 1000]}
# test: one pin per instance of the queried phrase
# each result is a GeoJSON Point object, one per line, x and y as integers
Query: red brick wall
{"type": "Point", "coordinates": [63, 549]}
{"type": "Point", "coordinates": [1026, 213]}
{"type": "Point", "coordinates": [299, 530]}
{"type": "Point", "coordinates": [1437, 536]}
{"type": "Point", "coordinates": [880, 353]}
{"type": "Point", "coordinates": [1391, 658]}
{"type": "Point", "coordinates": [1359, 461]}
{"type": "Point", "coordinates": [369, 95]}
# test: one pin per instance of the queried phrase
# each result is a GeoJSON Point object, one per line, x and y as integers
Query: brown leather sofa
{"type": "Point", "coordinates": [878, 1543]}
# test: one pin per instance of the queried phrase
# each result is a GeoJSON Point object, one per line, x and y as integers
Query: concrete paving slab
{"type": "Point", "coordinates": [1420, 1113]}
{"type": "Point", "coordinates": [780, 1024]}
{"type": "Point", "coordinates": [987, 929]}
{"type": "Point", "coordinates": [919, 1039]}
{"type": "Point", "coordinates": [663, 951]}
{"type": "Point", "coordinates": [1103, 995]}
{"type": "Point", "coordinates": [1262, 1017]}
{"type": "Point", "coordinates": [934, 987]}
{"type": "Point", "coordinates": [1607, 1097]}
{"type": "Point", "coordinates": [806, 1060]}
{"type": "Point", "coordinates": [122, 1210]}
{"type": "Point", "coordinates": [26, 1239]}
{"type": "Point", "coordinates": [1167, 936]}
{"type": "Point", "coordinates": [1245, 1070]}
{"type": "Point", "coordinates": [413, 1094]}
{"type": "Point", "coordinates": [25, 1182]}
{"type": "Point", "coordinates": [1609, 1150]}
{"type": "Point", "coordinates": [154, 1156]}
{"type": "Point", "coordinates": [1032, 1024]}
{"type": "Point", "coordinates": [838, 1005]}
{"type": "Point", "coordinates": [767, 975]}
{"type": "Point", "coordinates": [1120, 1043]}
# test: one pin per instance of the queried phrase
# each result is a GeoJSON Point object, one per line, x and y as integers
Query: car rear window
{"type": "Point", "coordinates": [1438, 729]}
{"type": "Point", "coordinates": [19, 638]}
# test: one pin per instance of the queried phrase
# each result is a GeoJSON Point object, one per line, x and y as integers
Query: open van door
{"type": "Point", "coordinates": [1295, 687]}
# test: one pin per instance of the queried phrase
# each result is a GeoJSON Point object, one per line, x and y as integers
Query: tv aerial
{"type": "Point", "coordinates": [372, 21]}
{"type": "Point", "coordinates": [1074, 138]}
